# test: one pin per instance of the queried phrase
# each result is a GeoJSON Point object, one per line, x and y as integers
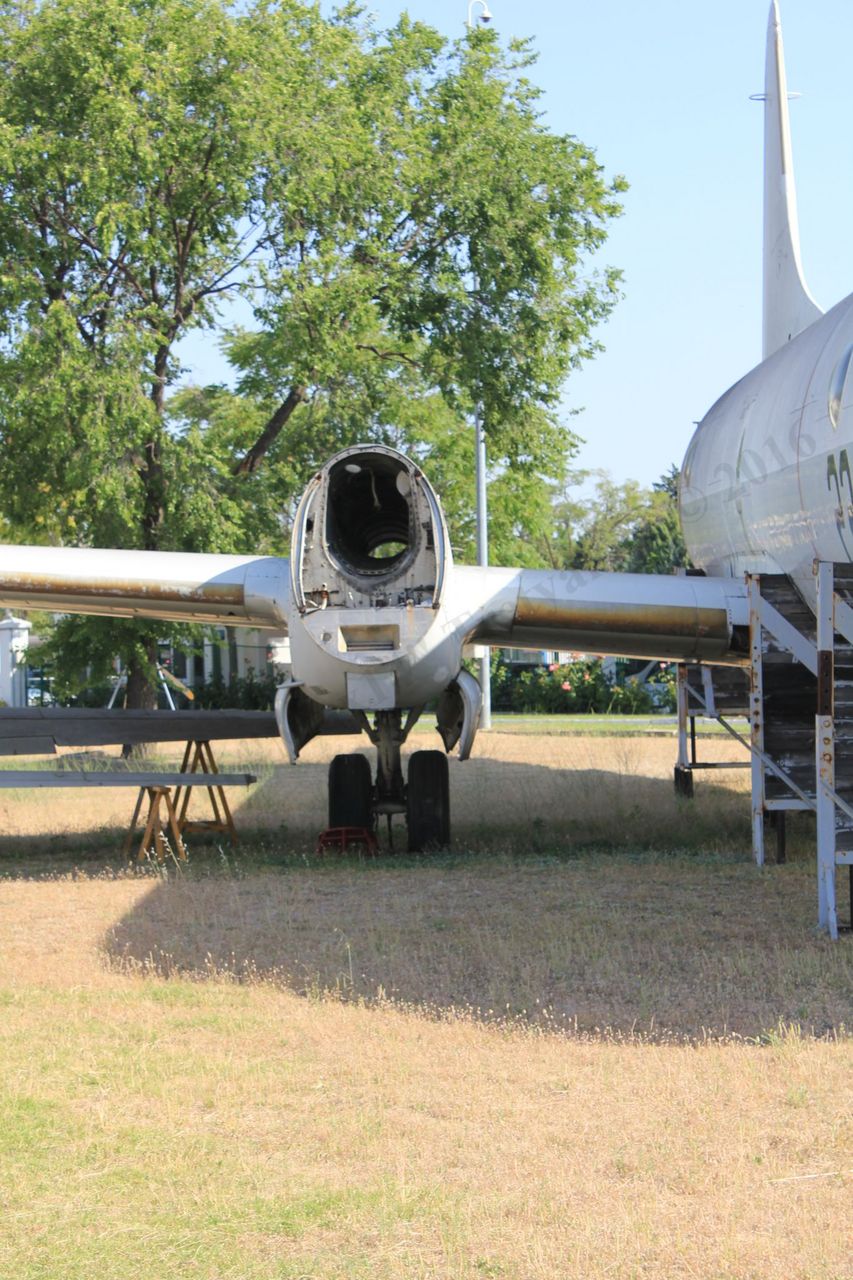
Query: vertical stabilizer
{"type": "Point", "coordinates": [788, 306]}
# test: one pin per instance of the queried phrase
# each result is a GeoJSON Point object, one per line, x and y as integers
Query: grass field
{"type": "Point", "coordinates": [592, 1041]}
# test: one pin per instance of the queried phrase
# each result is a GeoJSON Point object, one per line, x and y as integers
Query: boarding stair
{"type": "Point", "coordinates": [798, 694]}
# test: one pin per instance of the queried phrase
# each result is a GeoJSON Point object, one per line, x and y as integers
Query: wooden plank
{"type": "Point", "coordinates": [86, 726]}
{"type": "Point", "coordinates": [24, 779]}
{"type": "Point", "coordinates": [98, 727]}
{"type": "Point", "coordinates": [27, 746]}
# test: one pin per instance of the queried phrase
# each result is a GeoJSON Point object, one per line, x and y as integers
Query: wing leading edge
{"type": "Point", "coordinates": [625, 614]}
{"type": "Point", "coordinates": [167, 585]}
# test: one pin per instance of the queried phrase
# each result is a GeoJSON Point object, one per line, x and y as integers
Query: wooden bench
{"type": "Point", "coordinates": [157, 786]}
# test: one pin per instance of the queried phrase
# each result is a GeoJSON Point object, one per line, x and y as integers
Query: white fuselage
{"type": "Point", "coordinates": [378, 614]}
{"type": "Point", "coordinates": [766, 485]}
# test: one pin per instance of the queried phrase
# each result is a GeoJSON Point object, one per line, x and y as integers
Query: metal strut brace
{"type": "Point", "coordinates": [765, 759]}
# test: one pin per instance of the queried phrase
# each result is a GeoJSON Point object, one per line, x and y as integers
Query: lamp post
{"type": "Point", "coordinates": [483, 559]}
{"type": "Point", "coordinates": [485, 16]}
{"type": "Point", "coordinates": [480, 472]}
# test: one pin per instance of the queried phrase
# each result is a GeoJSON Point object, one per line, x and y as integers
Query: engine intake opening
{"type": "Point", "coordinates": [369, 525]}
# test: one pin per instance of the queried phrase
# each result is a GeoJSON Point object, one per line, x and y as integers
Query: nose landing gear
{"type": "Point", "coordinates": [424, 798]}
{"type": "Point", "coordinates": [428, 801]}
{"type": "Point", "coordinates": [350, 792]}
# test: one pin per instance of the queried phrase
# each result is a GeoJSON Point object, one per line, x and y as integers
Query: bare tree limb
{"type": "Point", "coordinates": [389, 355]}
{"type": "Point", "coordinates": [253, 458]}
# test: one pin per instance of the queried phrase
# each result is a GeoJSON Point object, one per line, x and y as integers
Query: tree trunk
{"type": "Point", "coordinates": [141, 693]}
{"type": "Point", "coordinates": [151, 472]}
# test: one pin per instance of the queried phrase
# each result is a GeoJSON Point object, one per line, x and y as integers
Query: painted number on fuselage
{"type": "Point", "coordinates": [838, 474]}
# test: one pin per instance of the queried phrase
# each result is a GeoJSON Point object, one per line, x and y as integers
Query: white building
{"type": "Point", "coordinates": [14, 639]}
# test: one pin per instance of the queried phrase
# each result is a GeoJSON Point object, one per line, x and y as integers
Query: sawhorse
{"type": "Point", "coordinates": [153, 841]}
{"type": "Point", "coordinates": [198, 758]}
{"type": "Point", "coordinates": [173, 792]}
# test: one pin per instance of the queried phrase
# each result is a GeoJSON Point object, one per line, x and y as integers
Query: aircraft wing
{"type": "Point", "coordinates": [625, 614]}
{"type": "Point", "coordinates": [171, 586]}
{"type": "Point", "coordinates": [636, 615]}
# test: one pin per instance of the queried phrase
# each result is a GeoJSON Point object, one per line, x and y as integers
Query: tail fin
{"type": "Point", "coordinates": [788, 306]}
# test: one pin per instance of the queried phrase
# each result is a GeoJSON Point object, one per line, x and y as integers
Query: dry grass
{"type": "Point", "coordinates": [578, 788]}
{"type": "Point", "coordinates": [663, 949]}
{"type": "Point", "coordinates": [239, 1130]}
{"type": "Point", "coordinates": [152, 1128]}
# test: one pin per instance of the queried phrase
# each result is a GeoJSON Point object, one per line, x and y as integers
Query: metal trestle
{"type": "Point", "coordinates": [797, 693]}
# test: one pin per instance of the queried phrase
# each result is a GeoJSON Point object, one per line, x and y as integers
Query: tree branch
{"type": "Point", "coordinates": [389, 355]}
{"type": "Point", "coordinates": [253, 458]}
{"type": "Point", "coordinates": [84, 240]}
{"type": "Point", "coordinates": [221, 283]}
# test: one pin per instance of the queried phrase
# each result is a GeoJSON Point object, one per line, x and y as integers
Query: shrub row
{"type": "Point", "coordinates": [575, 687]}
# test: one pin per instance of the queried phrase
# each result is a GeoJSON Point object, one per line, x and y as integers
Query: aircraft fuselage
{"type": "Point", "coordinates": [766, 485]}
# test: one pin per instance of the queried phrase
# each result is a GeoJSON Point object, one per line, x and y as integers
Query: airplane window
{"type": "Point", "coordinates": [836, 387]}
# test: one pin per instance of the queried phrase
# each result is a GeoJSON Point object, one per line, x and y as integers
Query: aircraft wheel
{"type": "Point", "coordinates": [350, 792]}
{"type": "Point", "coordinates": [428, 801]}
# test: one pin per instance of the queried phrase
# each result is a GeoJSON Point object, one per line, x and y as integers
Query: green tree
{"type": "Point", "coordinates": [620, 527]}
{"type": "Point", "coordinates": [658, 544]}
{"type": "Point", "coordinates": [410, 236]}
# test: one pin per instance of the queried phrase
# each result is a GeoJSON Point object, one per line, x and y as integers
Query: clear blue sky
{"type": "Point", "coordinates": [661, 91]}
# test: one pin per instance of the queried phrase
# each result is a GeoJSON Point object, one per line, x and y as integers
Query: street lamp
{"type": "Point", "coordinates": [480, 471]}
{"type": "Point", "coordinates": [485, 16]}
{"type": "Point", "coordinates": [483, 559]}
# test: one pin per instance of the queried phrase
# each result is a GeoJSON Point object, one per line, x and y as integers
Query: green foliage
{"type": "Point", "coordinates": [81, 651]}
{"type": "Point", "coordinates": [666, 691]}
{"type": "Point", "coordinates": [620, 528]}
{"type": "Point", "coordinates": [207, 507]}
{"type": "Point", "coordinates": [248, 693]}
{"type": "Point", "coordinates": [574, 687]}
{"type": "Point", "coordinates": [71, 422]}
{"type": "Point", "coordinates": [410, 237]}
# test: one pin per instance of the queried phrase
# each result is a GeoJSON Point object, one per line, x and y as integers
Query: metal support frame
{"type": "Point", "coordinates": [834, 616]}
{"type": "Point", "coordinates": [121, 683]}
{"type": "Point", "coordinates": [765, 618]}
{"type": "Point", "coordinates": [827, 916]}
{"type": "Point", "coordinates": [756, 718]}
{"type": "Point", "coordinates": [483, 558]}
{"type": "Point", "coordinates": [690, 704]}
{"type": "Point", "coordinates": [686, 757]}
{"type": "Point", "coordinates": [683, 760]}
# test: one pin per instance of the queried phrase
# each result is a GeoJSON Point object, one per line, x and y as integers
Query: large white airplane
{"type": "Point", "coordinates": [378, 613]}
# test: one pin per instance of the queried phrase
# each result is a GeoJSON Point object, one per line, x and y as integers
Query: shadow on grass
{"type": "Point", "coordinates": [684, 944]}
{"type": "Point", "coordinates": [495, 803]}
{"type": "Point", "coordinates": [573, 899]}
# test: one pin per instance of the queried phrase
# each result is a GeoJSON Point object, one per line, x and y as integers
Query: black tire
{"type": "Point", "coordinates": [428, 801]}
{"type": "Point", "coordinates": [350, 792]}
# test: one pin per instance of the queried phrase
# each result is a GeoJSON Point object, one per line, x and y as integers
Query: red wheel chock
{"type": "Point", "coordinates": [341, 838]}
